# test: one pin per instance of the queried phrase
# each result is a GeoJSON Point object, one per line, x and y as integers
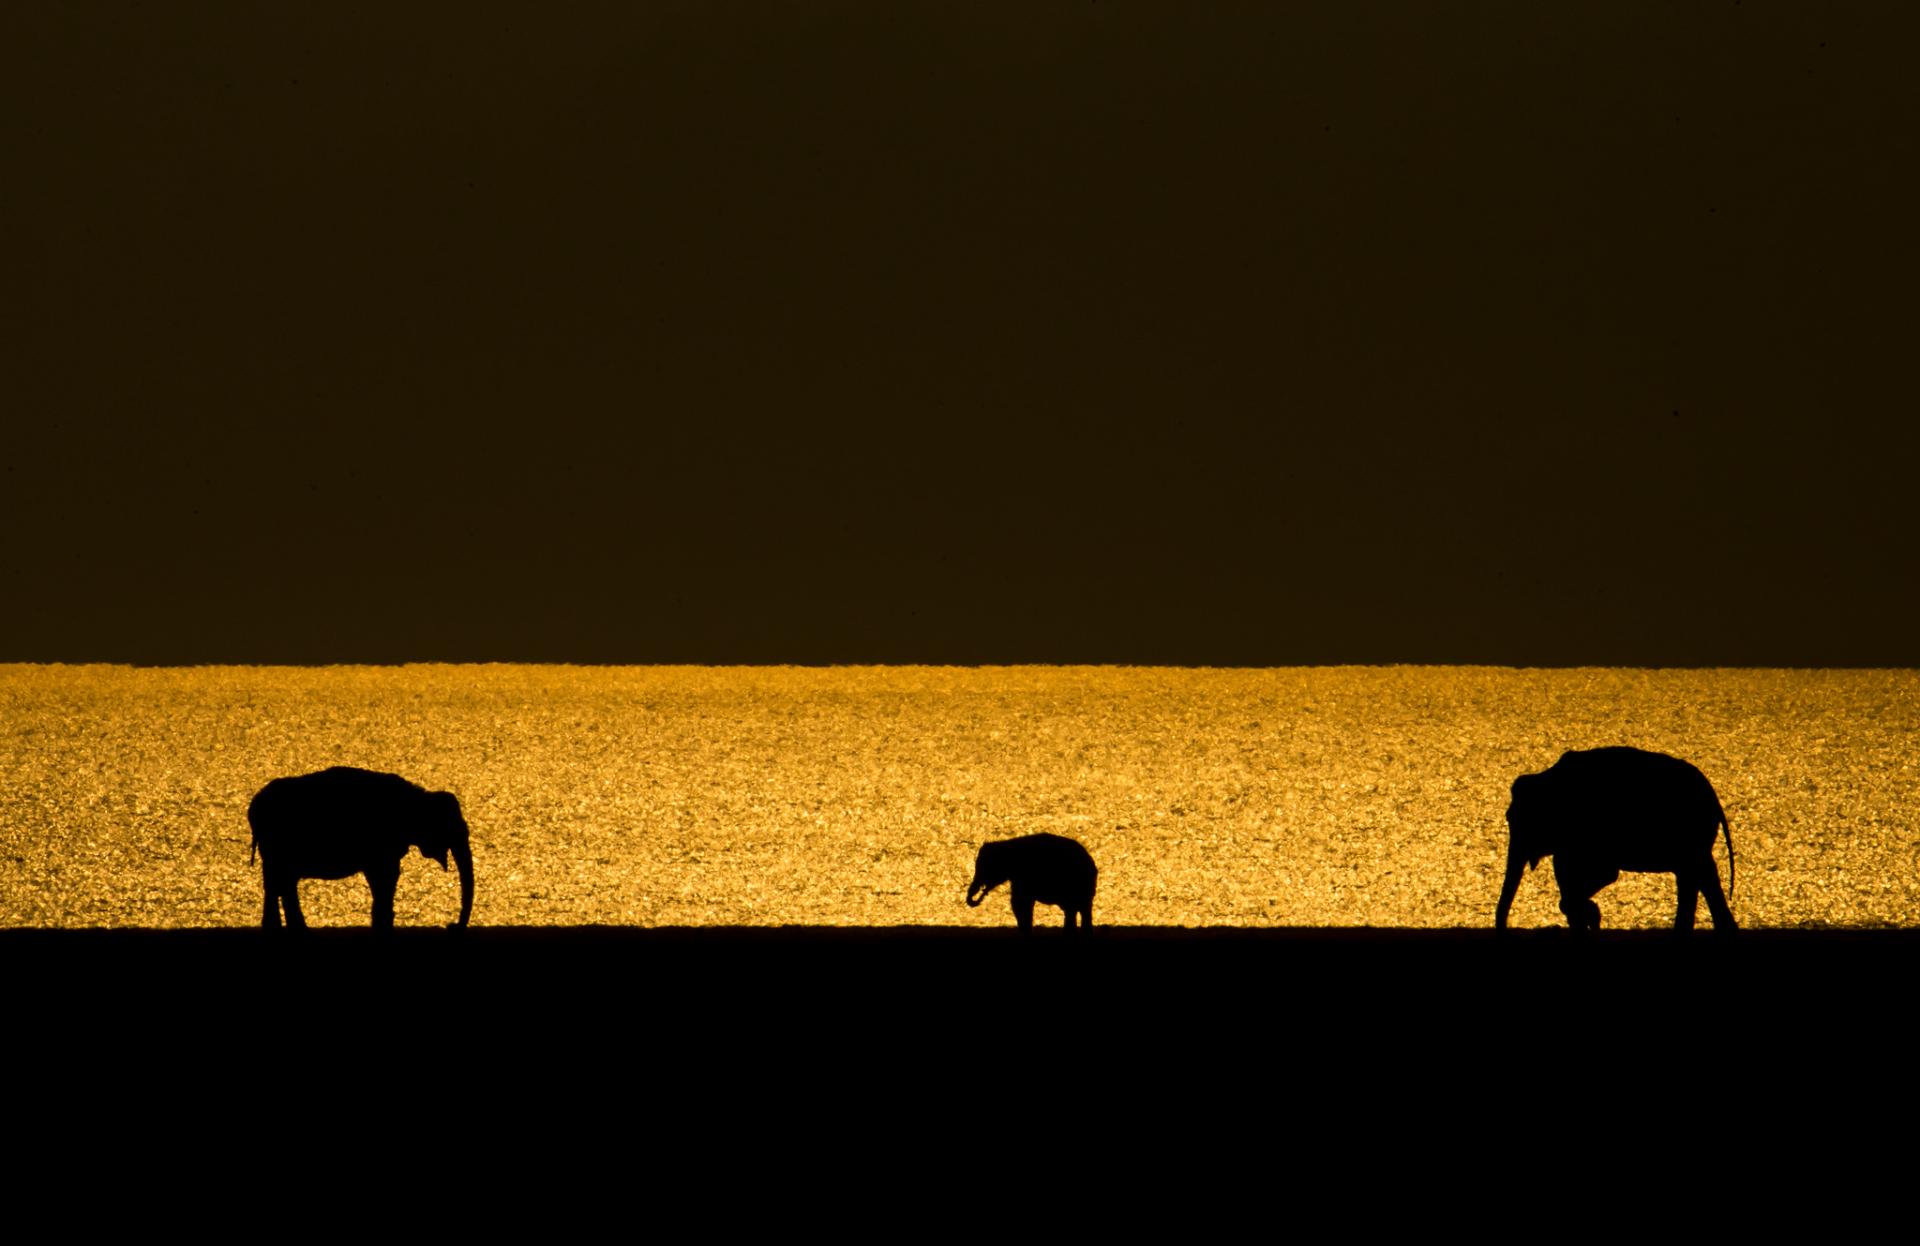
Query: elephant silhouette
{"type": "Point", "coordinates": [1044, 869]}
{"type": "Point", "coordinates": [1599, 811]}
{"type": "Point", "coordinates": [344, 821]}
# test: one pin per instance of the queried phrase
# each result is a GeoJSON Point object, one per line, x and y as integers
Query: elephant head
{"type": "Point", "coordinates": [1528, 838]}
{"type": "Point", "coordinates": [443, 833]}
{"type": "Point", "coordinates": [990, 869]}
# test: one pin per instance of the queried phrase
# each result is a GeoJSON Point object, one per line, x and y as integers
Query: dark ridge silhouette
{"type": "Point", "coordinates": [1044, 869]}
{"type": "Point", "coordinates": [1599, 811]}
{"type": "Point", "coordinates": [854, 993]}
{"type": "Point", "coordinates": [345, 821]}
{"type": "Point", "coordinates": [1426, 1038]}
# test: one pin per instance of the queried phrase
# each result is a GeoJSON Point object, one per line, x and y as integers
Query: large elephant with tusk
{"type": "Point", "coordinates": [1599, 811]}
{"type": "Point", "coordinates": [345, 821]}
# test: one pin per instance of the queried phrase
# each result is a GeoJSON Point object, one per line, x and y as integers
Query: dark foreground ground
{"type": "Point", "coordinates": [917, 1077]}
{"type": "Point", "coordinates": [775, 1029]}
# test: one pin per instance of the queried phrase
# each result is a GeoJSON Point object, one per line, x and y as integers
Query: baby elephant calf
{"type": "Point", "coordinates": [1044, 869]}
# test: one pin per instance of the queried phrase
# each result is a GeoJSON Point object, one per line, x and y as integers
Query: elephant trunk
{"type": "Point", "coordinates": [1516, 865]}
{"type": "Point", "coordinates": [980, 888]}
{"type": "Point", "coordinates": [463, 859]}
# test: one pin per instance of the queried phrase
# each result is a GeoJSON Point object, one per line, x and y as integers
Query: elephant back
{"type": "Point", "coordinates": [1629, 792]}
{"type": "Point", "coordinates": [343, 812]}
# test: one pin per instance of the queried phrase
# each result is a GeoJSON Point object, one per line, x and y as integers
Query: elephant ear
{"type": "Point", "coordinates": [448, 824]}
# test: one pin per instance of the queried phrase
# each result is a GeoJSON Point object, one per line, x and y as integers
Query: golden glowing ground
{"type": "Point", "coordinates": [856, 796]}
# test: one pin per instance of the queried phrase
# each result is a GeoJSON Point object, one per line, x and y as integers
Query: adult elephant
{"type": "Point", "coordinates": [1599, 811]}
{"type": "Point", "coordinates": [345, 821]}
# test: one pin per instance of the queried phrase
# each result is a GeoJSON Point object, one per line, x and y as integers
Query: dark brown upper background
{"type": "Point", "coordinates": [1091, 332]}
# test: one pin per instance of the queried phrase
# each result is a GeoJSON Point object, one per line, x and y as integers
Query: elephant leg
{"type": "Point", "coordinates": [1709, 884]}
{"type": "Point", "coordinates": [270, 911]}
{"type": "Point", "coordinates": [1023, 911]}
{"type": "Point", "coordinates": [290, 897]}
{"type": "Point", "coordinates": [383, 881]}
{"type": "Point", "coordinates": [1687, 885]}
{"type": "Point", "coordinates": [1067, 910]}
{"type": "Point", "coordinates": [1578, 881]}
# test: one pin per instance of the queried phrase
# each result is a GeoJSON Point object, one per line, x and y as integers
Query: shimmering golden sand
{"type": "Point", "coordinates": [769, 796]}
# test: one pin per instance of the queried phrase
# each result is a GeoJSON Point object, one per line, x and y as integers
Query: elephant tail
{"type": "Point", "coordinates": [1733, 873]}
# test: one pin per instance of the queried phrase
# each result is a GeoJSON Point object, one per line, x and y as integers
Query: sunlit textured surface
{"type": "Point", "coordinates": [855, 796]}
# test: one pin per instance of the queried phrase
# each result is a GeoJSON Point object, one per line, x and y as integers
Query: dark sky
{"type": "Point", "coordinates": [1092, 332]}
